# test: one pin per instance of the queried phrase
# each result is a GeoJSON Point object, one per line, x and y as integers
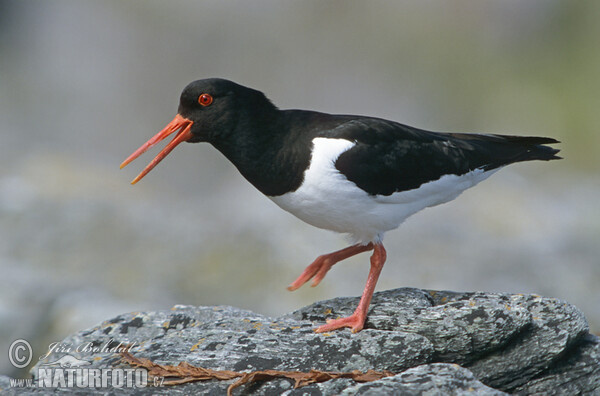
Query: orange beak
{"type": "Point", "coordinates": [178, 123]}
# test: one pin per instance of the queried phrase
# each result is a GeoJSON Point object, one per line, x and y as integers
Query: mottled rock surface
{"type": "Point", "coordinates": [437, 343]}
{"type": "Point", "coordinates": [432, 379]}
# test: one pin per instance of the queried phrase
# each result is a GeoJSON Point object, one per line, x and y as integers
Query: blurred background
{"type": "Point", "coordinates": [83, 84]}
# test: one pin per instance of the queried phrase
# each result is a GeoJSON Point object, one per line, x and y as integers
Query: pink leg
{"type": "Point", "coordinates": [356, 321]}
{"type": "Point", "coordinates": [323, 263]}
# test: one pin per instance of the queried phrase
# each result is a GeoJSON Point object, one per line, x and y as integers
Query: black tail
{"type": "Point", "coordinates": [499, 150]}
{"type": "Point", "coordinates": [534, 147]}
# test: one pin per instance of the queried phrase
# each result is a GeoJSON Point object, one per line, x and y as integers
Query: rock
{"type": "Point", "coordinates": [554, 327]}
{"type": "Point", "coordinates": [461, 327]}
{"type": "Point", "coordinates": [432, 379]}
{"type": "Point", "coordinates": [578, 372]}
{"type": "Point", "coordinates": [435, 342]}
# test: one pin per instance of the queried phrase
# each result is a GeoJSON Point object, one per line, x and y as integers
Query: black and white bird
{"type": "Point", "coordinates": [356, 175]}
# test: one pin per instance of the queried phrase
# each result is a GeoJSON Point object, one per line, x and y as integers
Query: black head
{"type": "Point", "coordinates": [210, 110]}
{"type": "Point", "coordinates": [216, 106]}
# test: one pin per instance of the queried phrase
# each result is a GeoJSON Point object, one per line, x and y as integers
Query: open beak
{"type": "Point", "coordinates": [179, 123]}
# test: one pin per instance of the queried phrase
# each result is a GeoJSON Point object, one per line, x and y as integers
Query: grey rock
{"type": "Point", "coordinates": [555, 326]}
{"type": "Point", "coordinates": [461, 328]}
{"type": "Point", "coordinates": [429, 379]}
{"type": "Point", "coordinates": [578, 372]}
{"type": "Point", "coordinates": [4, 383]}
{"type": "Point", "coordinates": [436, 342]}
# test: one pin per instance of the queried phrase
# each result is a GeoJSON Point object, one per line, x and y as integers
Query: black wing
{"type": "Point", "coordinates": [389, 157]}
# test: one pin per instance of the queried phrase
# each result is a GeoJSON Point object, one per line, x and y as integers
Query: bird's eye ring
{"type": "Point", "coordinates": [205, 99]}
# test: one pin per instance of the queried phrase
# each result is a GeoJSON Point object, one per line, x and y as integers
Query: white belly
{"type": "Point", "coordinates": [326, 199]}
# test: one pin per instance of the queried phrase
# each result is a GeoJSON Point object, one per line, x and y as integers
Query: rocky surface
{"type": "Point", "coordinates": [434, 342]}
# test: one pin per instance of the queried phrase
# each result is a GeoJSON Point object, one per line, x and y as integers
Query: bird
{"type": "Point", "coordinates": [356, 175]}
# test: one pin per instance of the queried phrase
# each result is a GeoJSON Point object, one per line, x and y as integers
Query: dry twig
{"type": "Point", "coordinates": [184, 372]}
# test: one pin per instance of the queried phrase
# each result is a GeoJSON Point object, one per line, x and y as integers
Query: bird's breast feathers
{"type": "Point", "coordinates": [327, 199]}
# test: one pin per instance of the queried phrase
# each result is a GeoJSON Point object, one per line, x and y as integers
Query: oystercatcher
{"type": "Point", "coordinates": [357, 175]}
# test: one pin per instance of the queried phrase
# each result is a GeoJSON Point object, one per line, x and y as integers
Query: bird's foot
{"type": "Point", "coordinates": [356, 322]}
{"type": "Point", "coordinates": [318, 269]}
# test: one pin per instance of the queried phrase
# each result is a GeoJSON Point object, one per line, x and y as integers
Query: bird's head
{"type": "Point", "coordinates": [210, 110]}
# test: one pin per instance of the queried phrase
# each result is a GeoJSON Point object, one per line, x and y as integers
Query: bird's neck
{"type": "Point", "coordinates": [268, 153]}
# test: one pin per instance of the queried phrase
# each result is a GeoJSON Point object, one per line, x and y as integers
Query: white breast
{"type": "Point", "coordinates": [326, 199]}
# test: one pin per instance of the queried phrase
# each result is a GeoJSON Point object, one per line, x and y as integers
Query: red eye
{"type": "Point", "coordinates": [205, 99]}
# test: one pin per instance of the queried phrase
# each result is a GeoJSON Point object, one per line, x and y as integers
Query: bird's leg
{"type": "Point", "coordinates": [323, 263]}
{"type": "Point", "coordinates": [356, 321]}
